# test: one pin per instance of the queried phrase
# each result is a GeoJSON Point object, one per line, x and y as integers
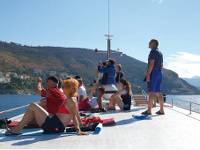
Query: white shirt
{"type": "Point", "coordinates": [82, 92]}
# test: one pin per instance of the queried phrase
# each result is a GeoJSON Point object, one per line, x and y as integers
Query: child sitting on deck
{"type": "Point", "coordinates": [123, 97]}
{"type": "Point", "coordinates": [94, 104]}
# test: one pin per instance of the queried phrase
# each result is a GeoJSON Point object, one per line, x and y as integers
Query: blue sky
{"type": "Point", "coordinates": [83, 23]}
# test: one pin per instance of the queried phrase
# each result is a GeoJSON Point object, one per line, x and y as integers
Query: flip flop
{"type": "Point", "coordinates": [98, 110]}
{"type": "Point", "coordinates": [111, 109]}
{"type": "Point", "coordinates": [160, 113]}
{"type": "Point", "coordinates": [146, 113]}
{"type": "Point", "coordinates": [3, 122]}
{"type": "Point", "coordinates": [83, 115]}
{"type": "Point", "coordinates": [102, 110]}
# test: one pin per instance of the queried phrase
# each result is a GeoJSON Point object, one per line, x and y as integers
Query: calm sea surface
{"type": "Point", "coordinates": [11, 101]}
{"type": "Point", "coordinates": [183, 101]}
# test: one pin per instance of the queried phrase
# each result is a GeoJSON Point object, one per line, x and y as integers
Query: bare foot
{"type": "Point", "coordinates": [14, 130]}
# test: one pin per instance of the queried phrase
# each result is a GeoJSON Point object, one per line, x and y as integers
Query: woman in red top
{"type": "Point", "coordinates": [53, 123]}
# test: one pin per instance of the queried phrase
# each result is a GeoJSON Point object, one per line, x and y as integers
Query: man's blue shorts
{"type": "Point", "coordinates": [155, 81]}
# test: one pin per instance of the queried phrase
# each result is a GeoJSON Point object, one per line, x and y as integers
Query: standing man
{"type": "Point", "coordinates": [154, 77]}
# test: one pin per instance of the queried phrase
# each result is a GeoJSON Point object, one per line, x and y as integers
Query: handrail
{"type": "Point", "coordinates": [190, 105]}
{"type": "Point", "coordinates": [12, 109]}
{"type": "Point", "coordinates": [144, 93]}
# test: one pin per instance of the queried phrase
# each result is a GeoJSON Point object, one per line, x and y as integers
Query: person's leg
{"type": "Point", "coordinates": [155, 100]}
{"type": "Point", "coordinates": [150, 98]}
{"type": "Point", "coordinates": [150, 101]}
{"type": "Point", "coordinates": [99, 102]}
{"type": "Point", "coordinates": [112, 102]}
{"type": "Point", "coordinates": [42, 103]}
{"type": "Point", "coordinates": [119, 102]}
{"type": "Point", "coordinates": [34, 111]}
{"type": "Point", "coordinates": [161, 101]}
{"type": "Point", "coordinates": [154, 86]}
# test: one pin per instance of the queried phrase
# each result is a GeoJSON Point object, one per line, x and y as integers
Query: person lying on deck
{"type": "Point", "coordinates": [53, 123]}
{"type": "Point", "coordinates": [123, 97]}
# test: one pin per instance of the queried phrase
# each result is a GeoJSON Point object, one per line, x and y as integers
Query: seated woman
{"type": "Point", "coordinates": [94, 104]}
{"type": "Point", "coordinates": [123, 97]}
{"type": "Point", "coordinates": [53, 123]}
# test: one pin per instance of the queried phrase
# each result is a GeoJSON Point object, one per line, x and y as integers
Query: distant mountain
{"type": "Point", "coordinates": [195, 81]}
{"type": "Point", "coordinates": [29, 60]}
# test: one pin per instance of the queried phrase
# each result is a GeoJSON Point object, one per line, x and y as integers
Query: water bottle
{"type": "Point", "coordinates": [98, 129]}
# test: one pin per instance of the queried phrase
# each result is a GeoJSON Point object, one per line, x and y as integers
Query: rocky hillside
{"type": "Point", "coordinates": [79, 61]}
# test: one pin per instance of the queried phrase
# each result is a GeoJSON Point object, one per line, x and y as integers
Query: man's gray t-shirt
{"type": "Point", "coordinates": [156, 55]}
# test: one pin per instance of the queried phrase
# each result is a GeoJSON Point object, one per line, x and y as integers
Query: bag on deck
{"type": "Point", "coordinates": [85, 127]}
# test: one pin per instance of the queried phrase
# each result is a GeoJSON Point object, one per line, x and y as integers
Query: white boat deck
{"type": "Point", "coordinates": [176, 129]}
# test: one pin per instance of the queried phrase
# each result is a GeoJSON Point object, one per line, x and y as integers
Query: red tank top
{"type": "Point", "coordinates": [63, 109]}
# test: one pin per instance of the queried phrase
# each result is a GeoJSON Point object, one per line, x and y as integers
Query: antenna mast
{"type": "Point", "coordinates": [108, 35]}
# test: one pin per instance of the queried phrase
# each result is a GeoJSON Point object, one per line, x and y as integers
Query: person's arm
{"type": "Point", "coordinates": [99, 102]}
{"type": "Point", "coordinates": [103, 69]}
{"type": "Point", "coordinates": [162, 61]}
{"type": "Point", "coordinates": [81, 97]}
{"type": "Point", "coordinates": [40, 88]}
{"type": "Point", "coordinates": [151, 63]}
{"type": "Point", "coordinates": [39, 84]}
{"type": "Point", "coordinates": [78, 117]}
{"type": "Point", "coordinates": [121, 75]}
{"type": "Point", "coordinates": [72, 106]}
{"type": "Point", "coordinates": [43, 103]}
{"type": "Point", "coordinates": [150, 69]}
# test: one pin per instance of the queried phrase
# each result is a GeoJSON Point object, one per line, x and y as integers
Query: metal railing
{"type": "Point", "coordinates": [184, 104]}
{"type": "Point", "coordinates": [187, 105]}
{"type": "Point", "coordinates": [12, 109]}
{"type": "Point", "coordinates": [144, 93]}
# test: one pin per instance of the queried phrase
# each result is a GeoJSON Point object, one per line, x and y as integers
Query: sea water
{"type": "Point", "coordinates": [12, 101]}
{"type": "Point", "coordinates": [184, 101]}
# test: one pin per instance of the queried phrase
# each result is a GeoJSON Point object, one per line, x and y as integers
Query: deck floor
{"type": "Point", "coordinates": [173, 130]}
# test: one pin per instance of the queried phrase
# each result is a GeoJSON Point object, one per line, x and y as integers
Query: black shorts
{"type": "Point", "coordinates": [53, 124]}
{"type": "Point", "coordinates": [126, 99]}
